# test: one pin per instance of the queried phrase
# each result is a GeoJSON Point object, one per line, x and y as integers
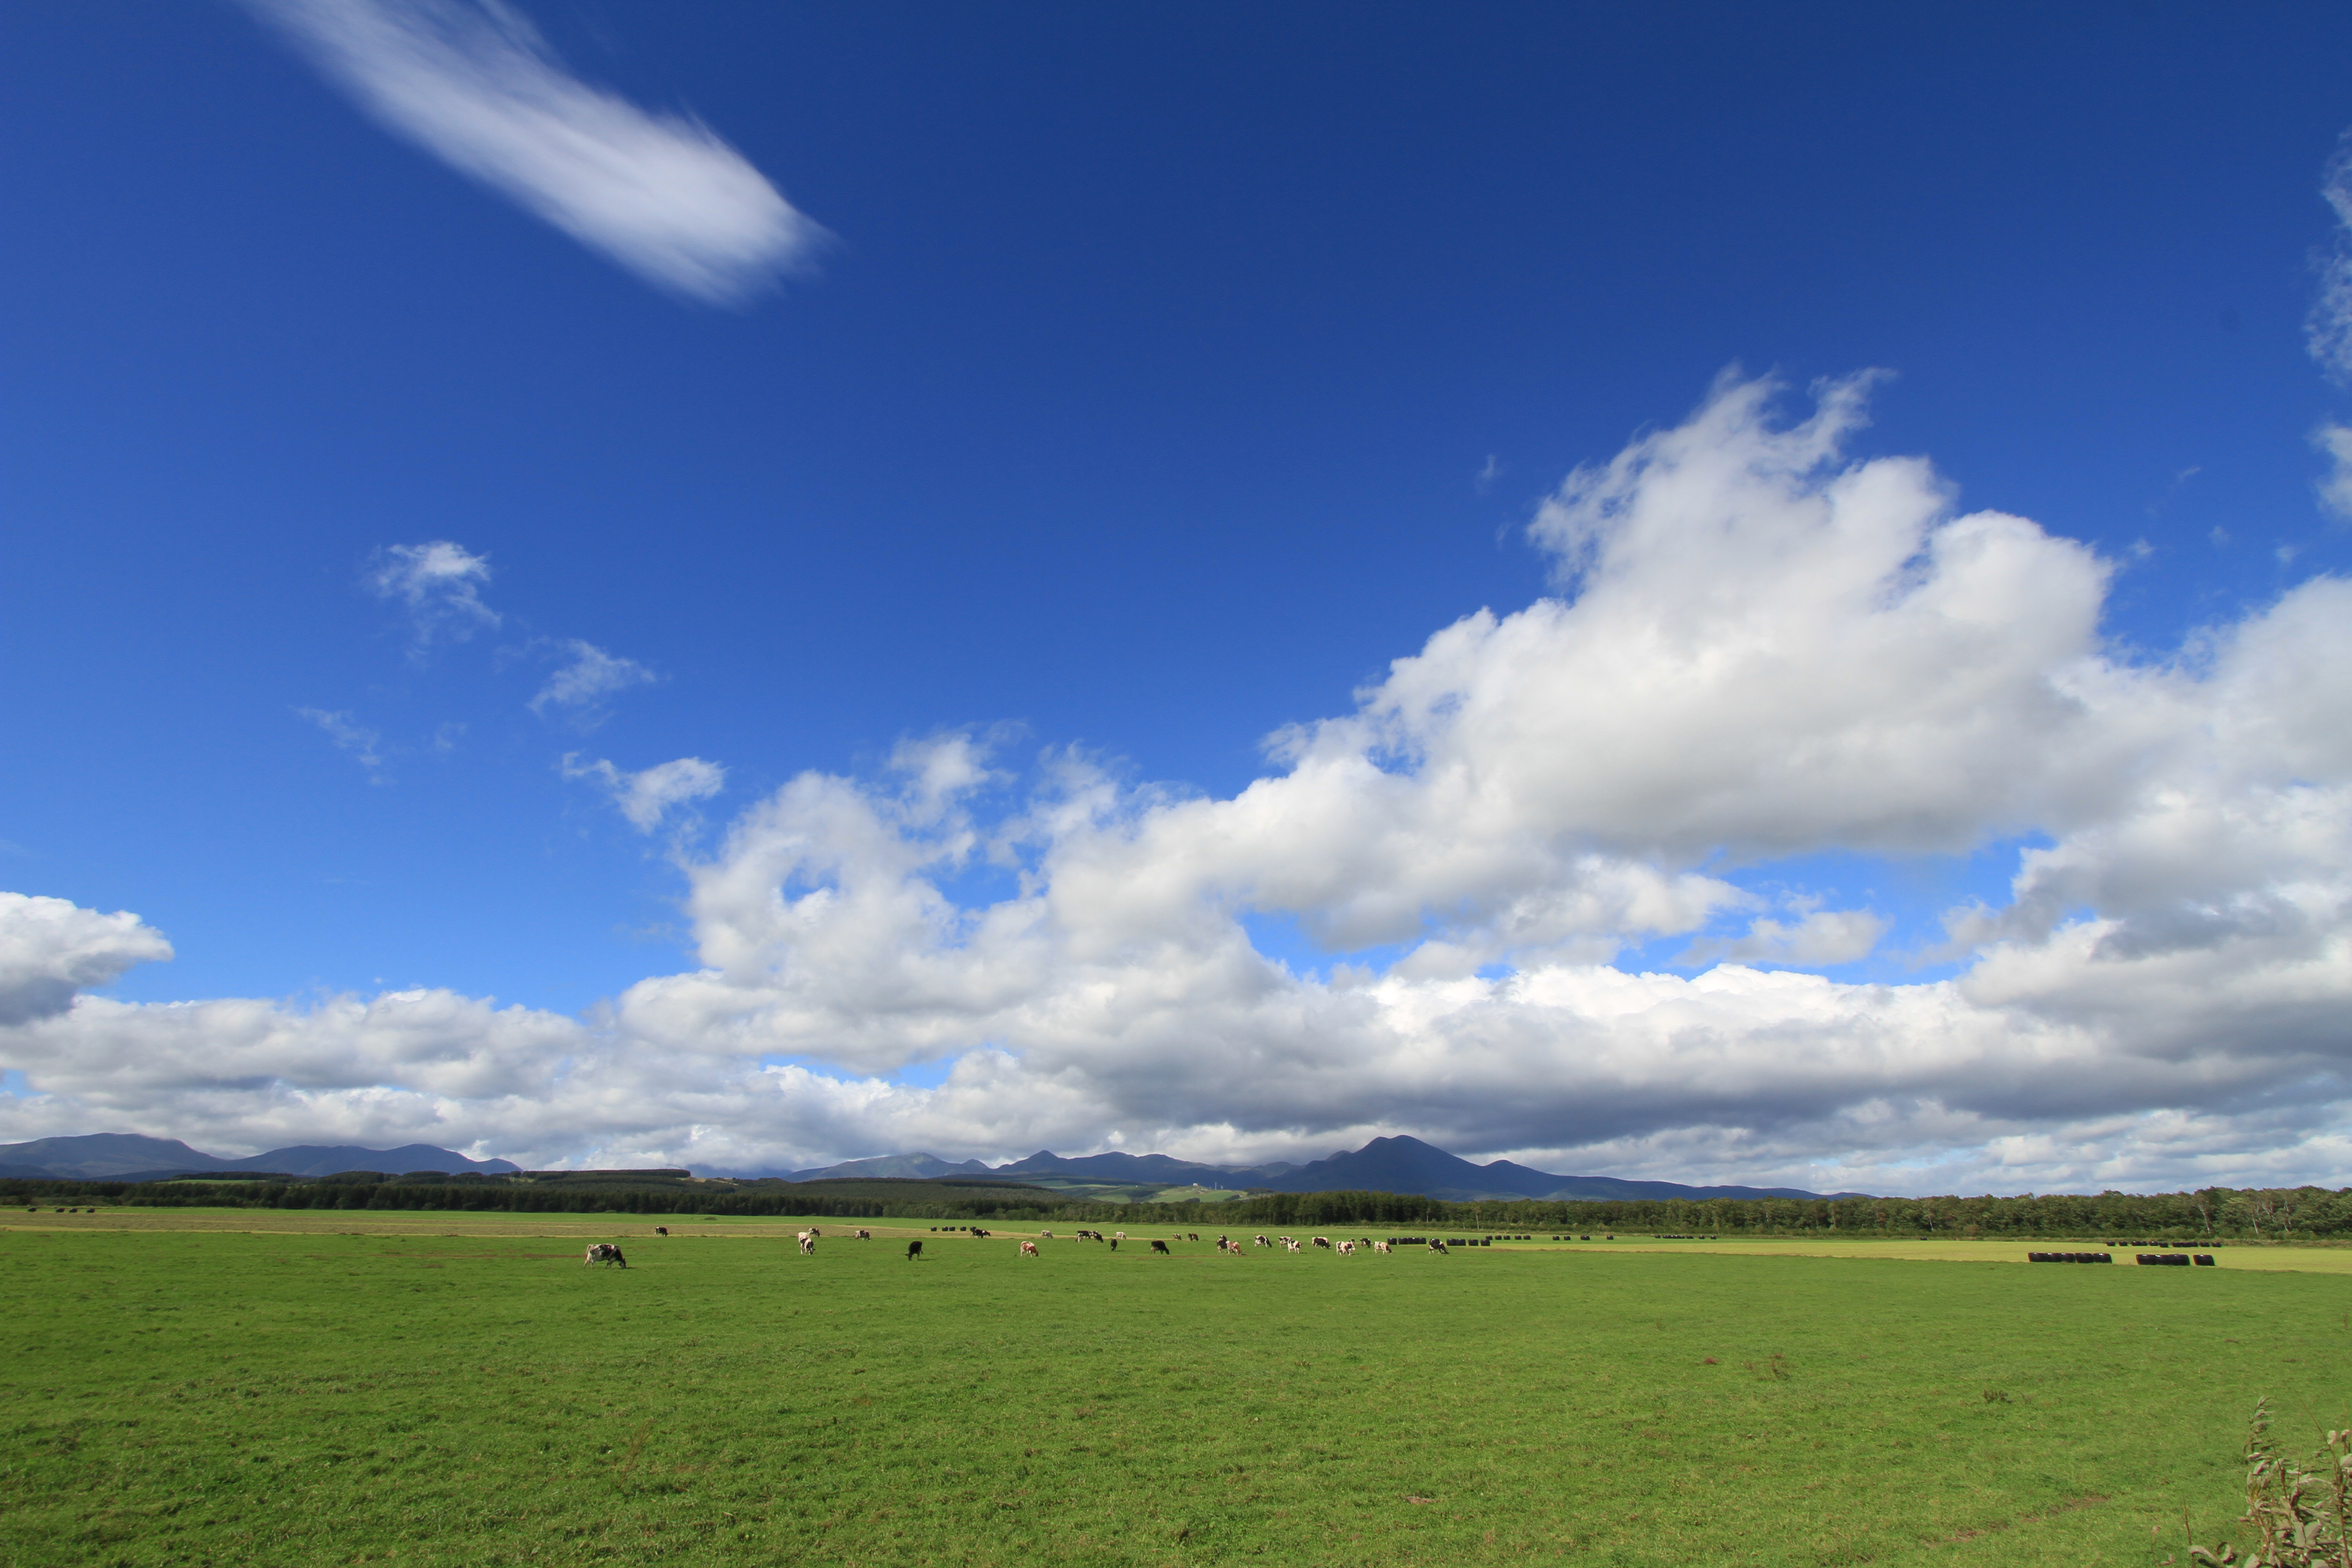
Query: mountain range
{"type": "Point", "coordinates": [1383, 1165]}
{"type": "Point", "coordinates": [128, 1157]}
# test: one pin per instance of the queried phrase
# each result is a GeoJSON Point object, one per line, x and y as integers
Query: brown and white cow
{"type": "Point", "coordinates": [864, 1235]}
{"type": "Point", "coordinates": [1028, 1249]}
{"type": "Point", "coordinates": [1379, 1246]}
{"type": "Point", "coordinates": [1347, 1249]}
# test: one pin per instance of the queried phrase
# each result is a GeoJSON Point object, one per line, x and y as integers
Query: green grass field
{"type": "Point", "coordinates": [240, 1387]}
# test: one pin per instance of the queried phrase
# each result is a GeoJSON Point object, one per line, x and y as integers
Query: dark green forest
{"type": "Point", "coordinates": [2210, 1213]}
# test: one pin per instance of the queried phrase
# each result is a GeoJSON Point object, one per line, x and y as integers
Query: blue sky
{"type": "Point", "coordinates": [1153, 380]}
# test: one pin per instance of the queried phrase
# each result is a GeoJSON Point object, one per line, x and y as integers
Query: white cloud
{"type": "Point", "coordinates": [474, 84]}
{"type": "Point", "coordinates": [1821, 937]}
{"type": "Point", "coordinates": [1763, 649]}
{"type": "Point", "coordinates": [587, 676]}
{"type": "Point", "coordinates": [2329, 329]}
{"type": "Point", "coordinates": [2336, 488]}
{"type": "Point", "coordinates": [363, 743]}
{"type": "Point", "coordinates": [439, 584]}
{"type": "Point", "coordinates": [51, 948]}
{"type": "Point", "coordinates": [644, 796]}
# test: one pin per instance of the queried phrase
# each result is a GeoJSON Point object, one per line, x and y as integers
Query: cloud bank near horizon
{"type": "Point", "coordinates": [1760, 649]}
{"type": "Point", "coordinates": [474, 84]}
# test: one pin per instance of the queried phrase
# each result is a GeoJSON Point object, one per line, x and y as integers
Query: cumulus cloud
{"type": "Point", "coordinates": [1761, 649]}
{"type": "Point", "coordinates": [474, 84]}
{"type": "Point", "coordinates": [586, 676]}
{"type": "Point", "coordinates": [439, 584]}
{"type": "Point", "coordinates": [51, 948]}
{"type": "Point", "coordinates": [363, 743]}
{"type": "Point", "coordinates": [642, 797]}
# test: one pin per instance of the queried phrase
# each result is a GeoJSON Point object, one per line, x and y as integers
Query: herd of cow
{"type": "Point", "coordinates": [605, 1252]}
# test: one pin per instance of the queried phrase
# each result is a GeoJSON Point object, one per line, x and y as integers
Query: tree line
{"type": "Point", "coordinates": [2209, 1214]}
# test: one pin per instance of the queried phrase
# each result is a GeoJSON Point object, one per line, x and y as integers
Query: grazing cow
{"type": "Point", "coordinates": [1118, 1236]}
{"type": "Point", "coordinates": [1114, 1244]}
{"type": "Point", "coordinates": [1028, 1249]}
{"type": "Point", "coordinates": [604, 1252]}
{"type": "Point", "coordinates": [1437, 1245]}
{"type": "Point", "coordinates": [1191, 1236]}
{"type": "Point", "coordinates": [864, 1235]}
{"type": "Point", "coordinates": [1160, 1246]}
{"type": "Point", "coordinates": [1347, 1249]}
{"type": "Point", "coordinates": [808, 1243]}
{"type": "Point", "coordinates": [1379, 1246]}
{"type": "Point", "coordinates": [1260, 1241]}
{"type": "Point", "coordinates": [914, 1250]}
{"type": "Point", "coordinates": [1293, 1246]}
{"type": "Point", "coordinates": [661, 1230]}
{"type": "Point", "coordinates": [1323, 1241]}
{"type": "Point", "coordinates": [1045, 1235]}
{"type": "Point", "coordinates": [977, 1231]}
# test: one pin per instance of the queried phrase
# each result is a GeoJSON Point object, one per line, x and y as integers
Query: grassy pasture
{"type": "Point", "coordinates": [246, 1386]}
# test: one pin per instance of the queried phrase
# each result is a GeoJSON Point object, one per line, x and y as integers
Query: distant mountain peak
{"type": "Point", "coordinates": [105, 1156]}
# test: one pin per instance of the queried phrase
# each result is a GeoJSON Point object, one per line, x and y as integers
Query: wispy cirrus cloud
{"type": "Point", "coordinates": [2329, 329]}
{"type": "Point", "coordinates": [1820, 937]}
{"type": "Point", "coordinates": [439, 584]}
{"type": "Point", "coordinates": [587, 675]}
{"type": "Point", "coordinates": [644, 797]}
{"type": "Point", "coordinates": [472, 82]}
{"type": "Point", "coordinates": [364, 744]}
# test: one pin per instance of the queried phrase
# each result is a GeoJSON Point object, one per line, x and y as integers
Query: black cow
{"type": "Point", "coordinates": [914, 1250]}
{"type": "Point", "coordinates": [1114, 1246]}
{"type": "Point", "coordinates": [1160, 1246]}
